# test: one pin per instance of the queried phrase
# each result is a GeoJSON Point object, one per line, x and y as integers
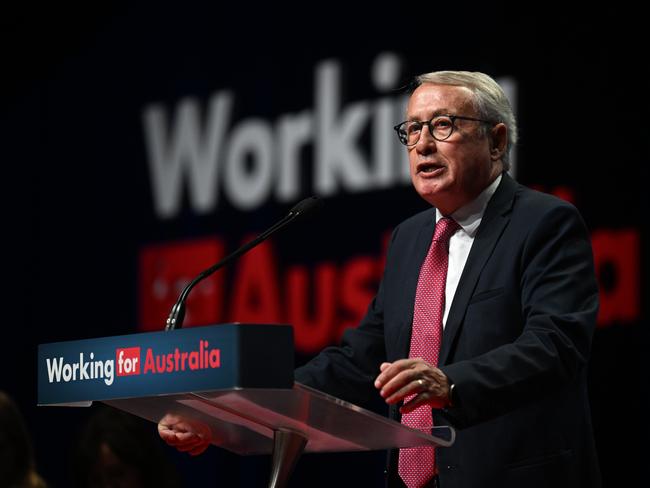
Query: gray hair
{"type": "Point", "coordinates": [490, 101]}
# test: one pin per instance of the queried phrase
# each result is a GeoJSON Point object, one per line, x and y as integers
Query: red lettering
{"type": "Point", "coordinates": [149, 365]}
{"type": "Point", "coordinates": [170, 361]}
{"type": "Point", "coordinates": [182, 360]}
{"type": "Point", "coordinates": [194, 360]}
{"type": "Point", "coordinates": [312, 328]}
{"type": "Point", "coordinates": [215, 358]}
{"type": "Point", "coordinates": [358, 286]}
{"type": "Point", "coordinates": [616, 258]}
{"type": "Point", "coordinates": [160, 364]}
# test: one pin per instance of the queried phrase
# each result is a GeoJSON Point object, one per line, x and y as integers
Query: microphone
{"type": "Point", "coordinates": [298, 212]}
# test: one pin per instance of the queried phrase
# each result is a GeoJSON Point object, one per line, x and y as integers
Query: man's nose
{"type": "Point", "coordinates": [426, 143]}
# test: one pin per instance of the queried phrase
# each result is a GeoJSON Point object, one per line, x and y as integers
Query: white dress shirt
{"type": "Point", "coordinates": [469, 218]}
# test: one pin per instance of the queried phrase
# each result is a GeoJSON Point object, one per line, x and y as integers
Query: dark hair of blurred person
{"type": "Point", "coordinates": [119, 450]}
{"type": "Point", "coordinates": [17, 469]}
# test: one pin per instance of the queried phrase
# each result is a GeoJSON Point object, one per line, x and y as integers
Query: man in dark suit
{"type": "Point", "coordinates": [485, 314]}
{"type": "Point", "coordinates": [519, 306]}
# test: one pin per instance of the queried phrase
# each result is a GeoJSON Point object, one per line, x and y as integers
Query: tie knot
{"type": "Point", "coordinates": [444, 229]}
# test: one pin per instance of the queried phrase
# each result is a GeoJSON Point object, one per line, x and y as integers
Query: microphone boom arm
{"type": "Point", "coordinates": [177, 314]}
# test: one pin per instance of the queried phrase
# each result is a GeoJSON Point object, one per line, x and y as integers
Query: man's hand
{"type": "Point", "coordinates": [184, 434]}
{"type": "Point", "coordinates": [416, 377]}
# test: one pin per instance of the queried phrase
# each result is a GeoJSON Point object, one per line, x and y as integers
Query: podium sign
{"type": "Point", "coordinates": [216, 357]}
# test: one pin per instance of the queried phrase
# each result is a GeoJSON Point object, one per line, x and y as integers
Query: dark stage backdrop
{"type": "Point", "coordinates": [144, 141]}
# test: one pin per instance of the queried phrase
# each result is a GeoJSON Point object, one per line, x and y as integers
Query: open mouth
{"type": "Point", "coordinates": [429, 168]}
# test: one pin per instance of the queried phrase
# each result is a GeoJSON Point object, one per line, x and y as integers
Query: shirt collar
{"type": "Point", "coordinates": [469, 216]}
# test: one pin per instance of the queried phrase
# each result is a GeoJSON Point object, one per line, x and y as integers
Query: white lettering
{"type": "Point", "coordinates": [83, 368]}
{"type": "Point", "coordinates": [120, 363]}
{"type": "Point", "coordinates": [294, 132]}
{"type": "Point", "coordinates": [54, 369]}
{"type": "Point", "coordinates": [67, 372]}
{"type": "Point", "coordinates": [189, 151]}
{"type": "Point", "coordinates": [58, 371]}
{"type": "Point", "coordinates": [347, 145]}
{"type": "Point", "coordinates": [388, 155]}
{"type": "Point", "coordinates": [248, 185]}
{"type": "Point", "coordinates": [337, 154]}
{"type": "Point", "coordinates": [109, 375]}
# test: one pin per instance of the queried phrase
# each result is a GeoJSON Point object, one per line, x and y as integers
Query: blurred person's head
{"type": "Point", "coordinates": [120, 450]}
{"type": "Point", "coordinates": [16, 455]}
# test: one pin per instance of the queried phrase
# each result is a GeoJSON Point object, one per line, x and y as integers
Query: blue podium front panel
{"type": "Point", "coordinates": [215, 357]}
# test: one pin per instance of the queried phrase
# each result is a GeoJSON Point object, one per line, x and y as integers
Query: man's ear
{"type": "Point", "coordinates": [498, 141]}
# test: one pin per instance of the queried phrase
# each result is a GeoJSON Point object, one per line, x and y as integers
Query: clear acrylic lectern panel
{"type": "Point", "coordinates": [244, 421]}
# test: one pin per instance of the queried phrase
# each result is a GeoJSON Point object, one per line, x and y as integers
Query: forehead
{"type": "Point", "coordinates": [428, 100]}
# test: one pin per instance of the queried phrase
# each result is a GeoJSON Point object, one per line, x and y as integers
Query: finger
{"type": "Point", "coordinates": [187, 436]}
{"type": "Point", "coordinates": [379, 380]}
{"type": "Point", "coordinates": [169, 419]}
{"type": "Point", "coordinates": [172, 440]}
{"type": "Point", "coordinates": [391, 370]}
{"type": "Point", "coordinates": [399, 381]}
{"type": "Point", "coordinates": [190, 444]}
{"type": "Point", "coordinates": [413, 386]}
{"type": "Point", "coordinates": [423, 398]}
{"type": "Point", "coordinates": [415, 402]}
{"type": "Point", "coordinates": [184, 426]}
{"type": "Point", "coordinates": [163, 426]}
{"type": "Point", "coordinates": [167, 435]}
{"type": "Point", "coordinates": [179, 439]}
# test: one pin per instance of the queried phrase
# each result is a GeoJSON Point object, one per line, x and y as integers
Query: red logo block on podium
{"type": "Point", "coordinates": [128, 361]}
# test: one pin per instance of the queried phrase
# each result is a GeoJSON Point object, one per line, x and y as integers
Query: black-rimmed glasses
{"type": "Point", "coordinates": [441, 127]}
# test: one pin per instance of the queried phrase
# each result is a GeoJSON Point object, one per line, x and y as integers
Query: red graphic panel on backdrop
{"type": "Point", "coordinates": [617, 261]}
{"type": "Point", "coordinates": [165, 269]}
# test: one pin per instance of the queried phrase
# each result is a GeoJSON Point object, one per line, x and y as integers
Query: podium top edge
{"type": "Point", "coordinates": [135, 334]}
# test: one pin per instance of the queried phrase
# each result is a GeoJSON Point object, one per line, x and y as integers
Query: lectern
{"type": "Point", "coordinates": [234, 379]}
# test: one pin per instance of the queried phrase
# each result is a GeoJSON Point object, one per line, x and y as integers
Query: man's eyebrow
{"type": "Point", "coordinates": [440, 111]}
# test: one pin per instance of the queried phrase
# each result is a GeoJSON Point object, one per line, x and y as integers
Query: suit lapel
{"type": "Point", "coordinates": [494, 221]}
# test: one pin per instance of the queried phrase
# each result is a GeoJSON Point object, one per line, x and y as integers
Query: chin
{"type": "Point", "coordinates": [431, 189]}
{"type": "Point", "coordinates": [438, 196]}
{"type": "Point", "coordinates": [429, 196]}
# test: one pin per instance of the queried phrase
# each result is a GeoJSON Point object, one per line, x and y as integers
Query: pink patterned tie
{"type": "Point", "coordinates": [417, 464]}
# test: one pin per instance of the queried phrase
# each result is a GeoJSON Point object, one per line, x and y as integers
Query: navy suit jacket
{"type": "Point", "coordinates": [515, 345]}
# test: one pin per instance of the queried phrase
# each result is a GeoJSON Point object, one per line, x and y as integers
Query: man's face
{"type": "Point", "coordinates": [450, 173]}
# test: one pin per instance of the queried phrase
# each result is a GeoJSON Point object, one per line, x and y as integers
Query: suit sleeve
{"type": "Point", "coordinates": [348, 371]}
{"type": "Point", "coordinates": [559, 300]}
